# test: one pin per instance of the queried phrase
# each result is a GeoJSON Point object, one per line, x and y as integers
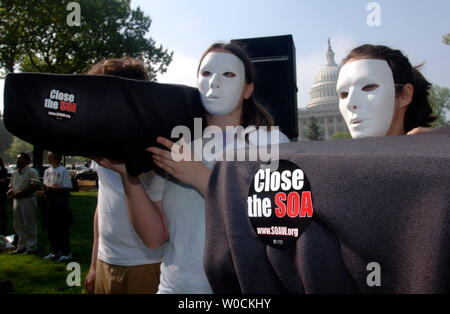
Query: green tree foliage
{"type": "Point", "coordinates": [75, 160]}
{"type": "Point", "coordinates": [447, 39]}
{"type": "Point", "coordinates": [313, 133]}
{"type": "Point", "coordinates": [19, 146]}
{"type": "Point", "coordinates": [439, 99]}
{"type": "Point", "coordinates": [340, 136]}
{"type": "Point", "coordinates": [35, 36]}
{"type": "Point", "coordinates": [6, 139]}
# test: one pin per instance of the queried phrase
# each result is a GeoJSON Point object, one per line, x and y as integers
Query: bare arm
{"type": "Point", "coordinates": [23, 193]}
{"type": "Point", "coordinates": [95, 243]}
{"type": "Point", "coordinates": [420, 130]}
{"type": "Point", "coordinates": [145, 215]}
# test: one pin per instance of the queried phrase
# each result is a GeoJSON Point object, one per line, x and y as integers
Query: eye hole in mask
{"type": "Point", "coordinates": [370, 87]}
{"type": "Point", "coordinates": [366, 88]}
{"type": "Point", "coordinates": [206, 73]}
{"type": "Point", "coordinates": [226, 74]}
{"type": "Point", "coordinates": [229, 74]}
{"type": "Point", "coordinates": [343, 95]}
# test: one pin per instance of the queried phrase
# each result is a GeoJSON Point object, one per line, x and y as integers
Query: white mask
{"type": "Point", "coordinates": [220, 82]}
{"type": "Point", "coordinates": [366, 108]}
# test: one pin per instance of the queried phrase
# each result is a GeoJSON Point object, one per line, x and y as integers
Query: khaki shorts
{"type": "Point", "coordinates": [140, 279]}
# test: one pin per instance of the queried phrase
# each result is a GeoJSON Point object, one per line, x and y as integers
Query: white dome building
{"type": "Point", "coordinates": [324, 103]}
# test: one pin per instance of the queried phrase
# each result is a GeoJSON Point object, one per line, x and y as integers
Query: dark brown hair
{"type": "Point", "coordinates": [125, 67]}
{"type": "Point", "coordinates": [253, 113]}
{"type": "Point", "coordinates": [25, 157]}
{"type": "Point", "coordinates": [419, 111]}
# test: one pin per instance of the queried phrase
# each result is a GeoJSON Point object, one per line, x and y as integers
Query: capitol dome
{"type": "Point", "coordinates": [324, 103]}
{"type": "Point", "coordinates": [323, 93]}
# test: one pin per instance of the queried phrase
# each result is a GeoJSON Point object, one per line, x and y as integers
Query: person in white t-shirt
{"type": "Point", "coordinates": [175, 212]}
{"type": "Point", "coordinates": [116, 244]}
{"type": "Point", "coordinates": [58, 215]}
{"type": "Point", "coordinates": [120, 263]}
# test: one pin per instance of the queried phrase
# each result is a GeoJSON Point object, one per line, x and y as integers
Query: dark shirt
{"type": "Point", "coordinates": [3, 180]}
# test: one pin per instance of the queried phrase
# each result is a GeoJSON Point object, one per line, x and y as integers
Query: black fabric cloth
{"type": "Point", "coordinates": [112, 117]}
{"type": "Point", "coordinates": [57, 219]}
{"type": "Point", "coordinates": [383, 200]}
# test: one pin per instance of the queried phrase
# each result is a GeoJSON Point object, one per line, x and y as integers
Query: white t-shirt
{"type": "Point", "coordinates": [59, 176]}
{"type": "Point", "coordinates": [118, 242]}
{"type": "Point", "coordinates": [184, 207]}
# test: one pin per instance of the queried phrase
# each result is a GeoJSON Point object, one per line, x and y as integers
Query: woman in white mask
{"type": "Point", "coordinates": [381, 93]}
{"type": "Point", "coordinates": [175, 209]}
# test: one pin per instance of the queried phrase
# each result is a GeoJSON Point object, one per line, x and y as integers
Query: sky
{"type": "Point", "coordinates": [188, 27]}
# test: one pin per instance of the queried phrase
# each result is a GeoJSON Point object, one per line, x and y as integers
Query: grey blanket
{"type": "Point", "coordinates": [383, 200]}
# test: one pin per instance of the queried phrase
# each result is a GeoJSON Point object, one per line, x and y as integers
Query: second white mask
{"type": "Point", "coordinates": [367, 97]}
{"type": "Point", "coordinates": [220, 82]}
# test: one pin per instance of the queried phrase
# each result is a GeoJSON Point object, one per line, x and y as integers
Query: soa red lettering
{"type": "Point", "coordinates": [295, 206]}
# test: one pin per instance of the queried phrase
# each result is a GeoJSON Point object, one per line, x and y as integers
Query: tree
{"type": "Point", "coordinates": [19, 146]}
{"type": "Point", "coordinates": [439, 99]}
{"type": "Point", "coordinates": [35, 36]}
{"type": "Point", "coordinates": [340, 136]}
{"type": "Point", "coordinates": [447, 39]}
{"type": "Point", "coordinates": [77, 160]}
{"type": "Point", "coordinates": [6, 139]}
{"type": "Point", "coordinates": [313, 133]}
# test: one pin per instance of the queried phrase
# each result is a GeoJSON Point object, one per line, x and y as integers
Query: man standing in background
{"type": "Point", "coordinates": [22, 190]}
{"type": "Point", "coordinates": [59, 215]}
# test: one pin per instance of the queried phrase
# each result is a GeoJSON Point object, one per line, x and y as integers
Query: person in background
{"type": "Point", "coordinates": [3, 190]}
{"type": "Point", "coordinates": [121, 263]}
{"type": "Point", "coordinates": [59, 215]}
{"type": "Point", "coordinates": [22, 191]}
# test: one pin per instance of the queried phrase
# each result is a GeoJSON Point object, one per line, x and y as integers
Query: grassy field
{"type": "Point", "coordinates": [31, 274]}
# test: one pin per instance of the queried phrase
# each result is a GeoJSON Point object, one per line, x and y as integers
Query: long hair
{"type": "Point", "coordinates": [419, 111]}
{"type": "Point", "coordinates": [253, 113]}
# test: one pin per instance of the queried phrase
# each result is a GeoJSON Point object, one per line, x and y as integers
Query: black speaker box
{"type": "Point", "coordinates": [273, 59]}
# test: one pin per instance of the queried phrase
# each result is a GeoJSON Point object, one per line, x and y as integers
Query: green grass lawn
{"type": "Point", "coordinates": [32, 274]}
